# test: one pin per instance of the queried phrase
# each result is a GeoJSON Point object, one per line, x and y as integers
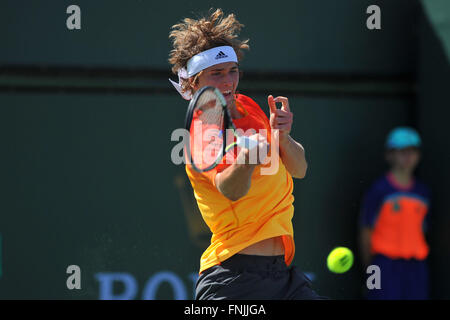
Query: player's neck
{"type": "Point", "coordinates": [403, 178]}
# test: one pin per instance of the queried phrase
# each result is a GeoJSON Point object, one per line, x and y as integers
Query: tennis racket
{"type": "Point", "coordinates": [207, 121]}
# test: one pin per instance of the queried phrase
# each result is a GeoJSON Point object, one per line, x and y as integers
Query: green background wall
{"type": "Point", "coordinates": [87, 177]}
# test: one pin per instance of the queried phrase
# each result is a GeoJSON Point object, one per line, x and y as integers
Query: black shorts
{"type": "Point", "coordinates": [249, 277]}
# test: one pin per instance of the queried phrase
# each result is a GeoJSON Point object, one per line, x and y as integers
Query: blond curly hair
{"type": "Point", "coordinates": [191, 37]}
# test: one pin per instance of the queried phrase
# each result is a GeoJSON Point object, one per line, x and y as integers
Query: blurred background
{"type": "Point", "coordinates": [86, 118]}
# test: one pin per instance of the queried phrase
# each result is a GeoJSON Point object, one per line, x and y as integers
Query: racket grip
{"type": "Point", "coordinates": [246, 142]}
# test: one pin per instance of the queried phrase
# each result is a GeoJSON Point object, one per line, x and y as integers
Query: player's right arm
{"type": "Point", "coordinates": [235, 181]}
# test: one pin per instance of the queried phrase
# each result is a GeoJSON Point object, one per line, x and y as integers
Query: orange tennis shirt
{"type": "Point", "coordinates": [399, 217]}
{"type": "Point", "coordinates": [266, 211]}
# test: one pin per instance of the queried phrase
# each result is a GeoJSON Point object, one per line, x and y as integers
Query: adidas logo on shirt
{"type": "Point", "coordinates": [221, 55]}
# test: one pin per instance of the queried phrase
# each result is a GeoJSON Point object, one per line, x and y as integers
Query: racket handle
{"type": "Point", "coordinates": [246, 142]}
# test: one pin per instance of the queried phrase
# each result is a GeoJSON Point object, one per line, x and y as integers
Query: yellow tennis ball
{"type": "Point", "coordinates": [340, 260]}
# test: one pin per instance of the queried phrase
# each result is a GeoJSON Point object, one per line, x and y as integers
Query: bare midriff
{"type": "Point", "coordinates": [266, 247]}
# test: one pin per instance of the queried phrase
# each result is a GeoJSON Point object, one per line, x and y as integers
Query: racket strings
{"type": "Point", "coordinates": [206, 130]}
{"type": "Point", "coordinates": [209, 110]}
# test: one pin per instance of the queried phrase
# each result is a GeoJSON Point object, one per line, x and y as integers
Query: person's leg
{"type": "Point", "coordinates": [299, 287]}
{"type": "Point", "coordinates": [247, 277]}
{"type": "Point", "coordinates": [241, 277]}
{"type": "Point", "coordinates": [212, 281]}
{"type": "Point", "coordinates": [415, 280]}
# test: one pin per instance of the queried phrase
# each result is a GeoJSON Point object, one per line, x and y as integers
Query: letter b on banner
{"type": "Point", "coordinates": [107, 281]}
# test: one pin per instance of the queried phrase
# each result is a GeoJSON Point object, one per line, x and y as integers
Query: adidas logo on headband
{"type": "Point", "coordinates": [221, 55]}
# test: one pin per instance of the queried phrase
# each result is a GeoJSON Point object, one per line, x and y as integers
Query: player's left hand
{"type": "Point", "coordinates": [280, 119]}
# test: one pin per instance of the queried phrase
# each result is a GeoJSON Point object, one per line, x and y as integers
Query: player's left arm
{"type": "Point", "coordinates": [292, 152]}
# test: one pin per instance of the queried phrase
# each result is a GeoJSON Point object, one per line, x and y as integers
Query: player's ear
{"type": "Point", "coordinates": [194, 82]}
{"type": "Point", "coordinates": [191, 86]}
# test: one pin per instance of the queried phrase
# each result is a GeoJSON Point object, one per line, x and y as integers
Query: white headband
{"type": "Point", "coordinates": [202, 61]}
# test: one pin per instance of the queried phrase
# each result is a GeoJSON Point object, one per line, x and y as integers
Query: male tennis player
{"type": "Point", "coordinates": [249, 213]}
